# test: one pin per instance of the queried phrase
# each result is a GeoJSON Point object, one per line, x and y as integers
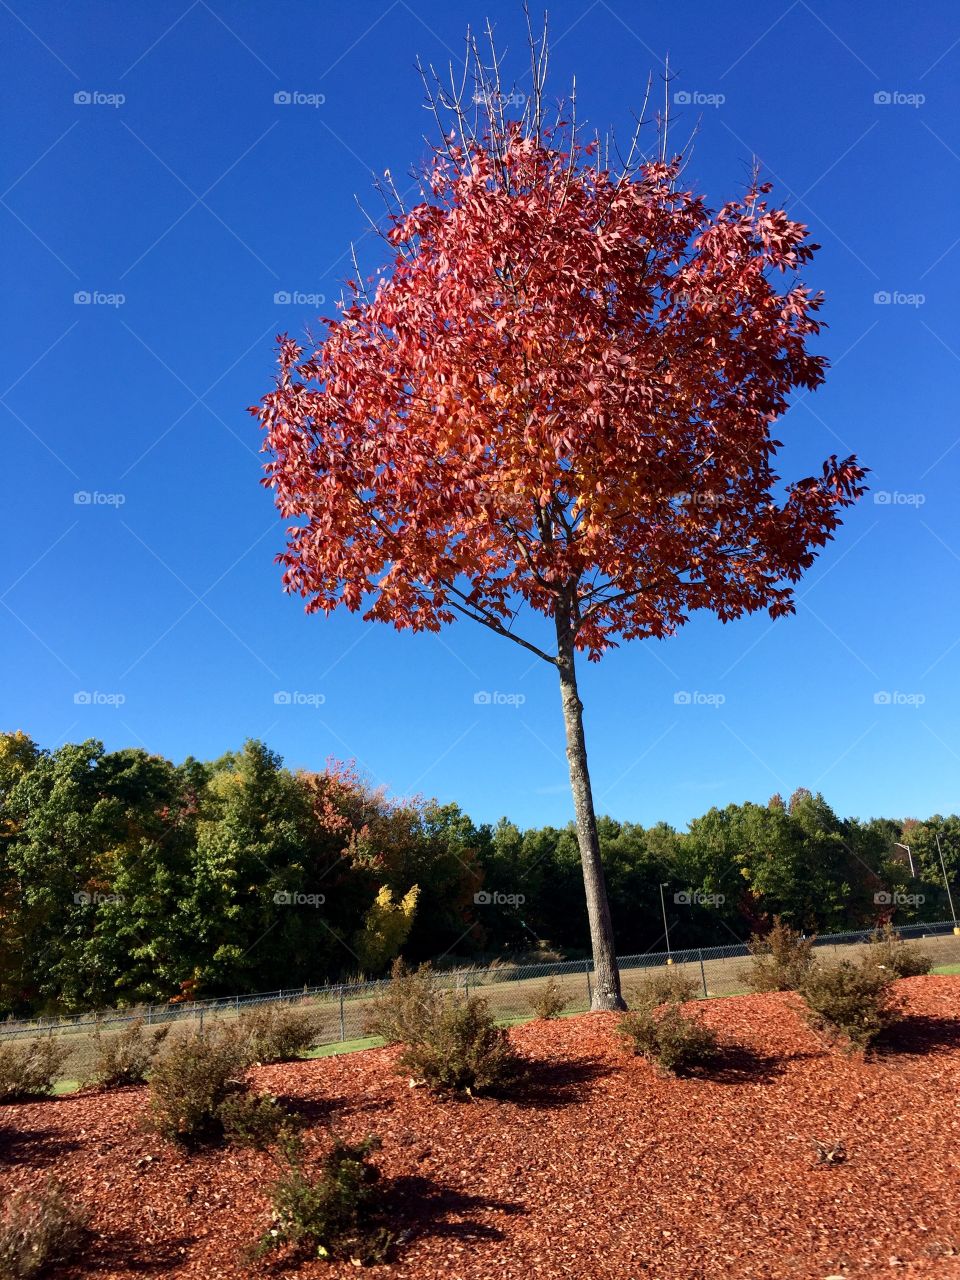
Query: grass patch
{"type": "Point", "coordinates": [948, 969]}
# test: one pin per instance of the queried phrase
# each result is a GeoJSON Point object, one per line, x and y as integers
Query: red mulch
{"type": "Point", "coordinates": [606, 1170]}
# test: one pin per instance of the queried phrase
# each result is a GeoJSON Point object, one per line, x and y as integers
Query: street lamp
{"type": "Point", "coordinates": [666, 927]}
{"type": "Point", "coordinates": [898, 845]}
{"type": "Point", "coordinates": [943, 866]}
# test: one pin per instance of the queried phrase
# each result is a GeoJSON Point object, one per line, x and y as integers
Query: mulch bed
{"type": "Point", "coordinates": [602, 1169]}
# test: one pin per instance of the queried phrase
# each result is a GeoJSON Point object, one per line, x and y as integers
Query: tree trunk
{"type": "Point", "coordinates": [606, 986]}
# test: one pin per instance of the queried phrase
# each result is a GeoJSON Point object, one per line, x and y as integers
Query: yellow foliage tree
{"type": "Point", "coordinates": [386, 928]}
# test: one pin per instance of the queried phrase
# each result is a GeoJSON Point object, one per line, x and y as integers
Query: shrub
{"type": "Point", "coordinates": [850, 998]}
{"type": "Point", "coordinates": [463, 1049]}
{"type": "Point", "coordinates": [888, 951]}
{"type": "Point", "coordinates": [333, 1216]}
{"type": "Point", "coordinates": [668, 1036]}
{"type": "Point", "coordinates": [781, 959]}
{"type": "Point", "coordinates": [192, 1078]}
{"type": "Point", "coordinates": [30, 1068]}
{"type": "Point", "coordinates": [663, 986]}
{"type": "Point", "coordinates": [278, 1032]}
{"type": "Point", "coordinates": [450, 1040]}
{"type": "Point", "coordinates": [408, 1008]}
{"type": "Point", "coordinates": [254, 1120]}
{"type": "Point", "coordinates": [38, 1229]}
{"type": "Point", "coordinates": [548, 1001]}
{"type": "Point", "coordinates": [126, 1056]}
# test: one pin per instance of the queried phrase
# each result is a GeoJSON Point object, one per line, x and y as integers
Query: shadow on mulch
{"type": "Point", "coordinates": [417, 1207]}
{"type": "Point", "coordinates": [556, 1084]}
{"type": "Point", "coordinates": [741, 1064]}
{"type": "Point", "coordinates": [33, 1147]}
{"type": "Point", "coordinates": [919, 1033]}
{"type": "Point", "coordinates": [122, 1251]}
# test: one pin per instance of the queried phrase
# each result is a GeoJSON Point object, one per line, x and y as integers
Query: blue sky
{"type": "Point", "coordinates": [153, 615]}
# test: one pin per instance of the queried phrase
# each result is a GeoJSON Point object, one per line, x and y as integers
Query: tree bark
{"type": "Point", "coordinates": [606, 985]}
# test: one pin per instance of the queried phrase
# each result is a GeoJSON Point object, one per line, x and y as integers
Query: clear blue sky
{"type": "Point", "coordinates": [198, 198]}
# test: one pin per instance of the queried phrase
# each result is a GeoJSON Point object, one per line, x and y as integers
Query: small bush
{"type": "Point", "coordinates": [192, 1078]}
{"type": "Point", "coordinates": [850, 998]}
{"type": "Point", "coordinates": [408, 1008]}
{"type": "Point", "coordinates": [30, 1068]}
{"type": "Point", "coordinates": [38, 1229]}
{"type": "Point", "coordinates": [668, 1036]}
{"type": "Point", "coordinates": [279, 1032]}
{"type": "Point", "coordinates": [888, 951]}
{"type": "Point", "coordinates": [663, 986]}
{"type": "Point", "coordinates": [125, 1057]}
{"type": "Point", "coordinates": [463, 1050]}
{"type": "Point", "coordinates": [333, 1216]}
{"type": "Point", "coordinates": [254, 1120]}
{"type": "Point", "coordinates": [548, 1001]}
{"type": "Point", "coordinates": [781, 959]}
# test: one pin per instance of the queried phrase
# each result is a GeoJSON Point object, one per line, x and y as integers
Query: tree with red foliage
{"type": "Point", "coordinates": [560, 394]}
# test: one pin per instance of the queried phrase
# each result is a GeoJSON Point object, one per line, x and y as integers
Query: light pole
{"type": "Point", "coordinates": [666, 927]}
{"type": "Point", "coordinates": [946, 882]}
{"type": "Point", "coordinates": [898, 845]}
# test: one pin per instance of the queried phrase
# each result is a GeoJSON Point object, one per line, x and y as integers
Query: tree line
{"type": "Point", "coordinates": [127, 878]}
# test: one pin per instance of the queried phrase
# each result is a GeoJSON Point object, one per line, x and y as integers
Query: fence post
{"type": "Point", "coordinates": [201, 1017]}
{"type": "Point", "coordinates": [703, 972]}
{"type": "Point", "coordinates": [343, 1025]}
{"type": "Point", "coordinates": [586, 969]}
{"type": "Point", "coordinates": [238, 1004]}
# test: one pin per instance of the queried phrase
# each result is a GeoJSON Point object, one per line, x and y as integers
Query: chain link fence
{"type": "Point", "coordinates": [343, 1008]}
